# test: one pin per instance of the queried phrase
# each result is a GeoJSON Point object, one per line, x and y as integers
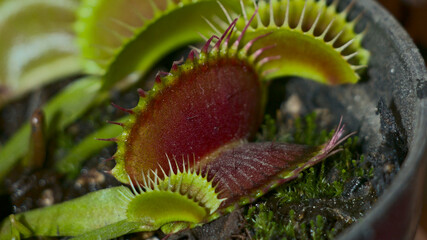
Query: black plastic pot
{"type": "Point", "coordinates": [396, 74]}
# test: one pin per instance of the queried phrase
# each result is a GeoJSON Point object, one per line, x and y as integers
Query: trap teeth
{"type": "Point", "coordinates": [141, 93]}
{"type": "Point", "coordinates": [130, 111]}
{"type": "Point", "coordinates": [306, 32]}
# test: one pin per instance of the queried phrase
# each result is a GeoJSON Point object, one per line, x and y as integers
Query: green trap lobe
{"type": "Point", "coordinates": [154, 209]}
{"type": "Point", "coordinates": [312, 40]}
{"type": "Point", "coordinates": [306, 57]}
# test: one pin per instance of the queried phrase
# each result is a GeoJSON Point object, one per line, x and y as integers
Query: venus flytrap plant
{"type": "Point", "coordinates": [198, 117]}
{"type": "Point", "coordinates": [94, 48]}
{"type": "Point", "coordinates": [226, 103]}
{"type": "Point", "coordinates": [306, 38]}
{"type": "Point", "coordinates": [327, 18]}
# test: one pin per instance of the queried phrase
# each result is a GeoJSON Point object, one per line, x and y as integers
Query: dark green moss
{"type": "Point", "coordinates": [268, 129]}
{"type": "Point", "coordinates": [321, 201]}
{"type": "Point", "coordinates": [264, 226]}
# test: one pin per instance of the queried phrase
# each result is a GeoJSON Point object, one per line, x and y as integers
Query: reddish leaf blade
{"type": "Point", "coordinates": [200, 111]}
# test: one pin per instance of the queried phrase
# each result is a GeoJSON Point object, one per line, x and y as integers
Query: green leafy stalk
{"type": "Point", "coordinates": [89, 146]}
{"type": "Point", "coordinates": [157, 38]}
{"type": "Point", "coordinates": [59, 112]}
{"type": "Point", "coordinates": [184, 199]}
{"type": "Point", "coordinates": [74, 217]}
{"type": "Point", "coordinates": [109, 232]}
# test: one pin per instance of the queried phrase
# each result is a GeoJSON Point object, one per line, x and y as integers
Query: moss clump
{"type": "Point", "coordinates": [265, 227]}
{"type": "Point", "coordinates": [323, 200]}
{"type": "Point", "coordinates": [263, 223]}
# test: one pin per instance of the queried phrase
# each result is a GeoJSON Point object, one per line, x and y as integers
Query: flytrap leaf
{"type": "Point", "coordinates": [180, 199]}
{"type": "Point", "coordinates": [199, 117]}
{"type": "Point", "coordinates": [215, 97]}
{"type": "Point", "coordinates": [36, 47]}
{"type": "Point", "coordinates": [128, 37]}
{"type": "Point", "coordinates": [247, 171]}
{"type": "Point", "coordinates": [87, 24]}
{"type": "Point", "coordinates": [312, 39]}
{"type": "Point", "coordinates": [74, 217]}
{"type": "Point", "coordinates": [302, 47]}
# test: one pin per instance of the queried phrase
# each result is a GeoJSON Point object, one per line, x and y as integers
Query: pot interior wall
{"type": "Point", "coordinates": [387, 109]}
